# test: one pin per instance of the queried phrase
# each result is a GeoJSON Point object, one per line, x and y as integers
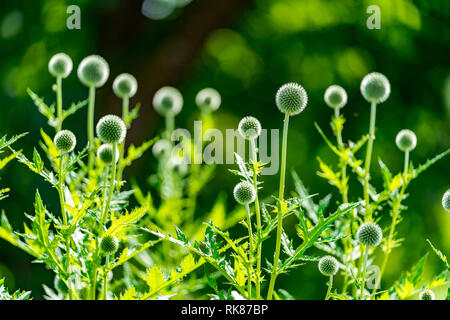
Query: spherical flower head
{"type": "Point", "coordinates": [65, 141]}
{"type": "Point", "coordinates": [161, 148]}
{"type": "Point", "coordinates": [60, 65]}
{"type": "Point", "coordinates": [109, 244]}
{"type": "Point", "coordinates": [244, 193]}
{"type": "Point", "coordinates": [111, 129]}
{"type": "Point", "coordinates": [375, 87]}
{"type": "Point", "coordinates": [291, 98]}
{"type": "Point", "coordinates": [406, 140]}
{"type": "Point", "coordinates": [328, 266]}
{"type": "Point", "coordinates": [178, 165]}
{"type": "Point", "coordinates": [93, 71]}
{"type": "Point", "coordinates": [335, 97]}
{"type": "Point", "coordinates": [446, 200]}
{"type": "Point", "coordinates": [369, 234]}
{"type": "Point", "coordinates": [168, 101]}
{"type": "Point", "coordinates": [125, 85]}
{"type": "Point", "coordinates": [105, 153]}
{"type": "Point", "coordinates": [427, 295]}
{"type": "Point", "coordinates": [208, 99]}
{"type": "Point", "coordinates": [249, 128]}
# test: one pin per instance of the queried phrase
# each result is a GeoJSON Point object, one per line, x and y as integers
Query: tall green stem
{"type": "Point", "coordinates": [250, 251]}
{"type": "Point", "coordinates": [170, 125]}
{"type": "Point", "coordinates": [90, 128]}
{"type": "Point", "coordinates": [280, 212]}
{"type": "Point", "coordinates": [258, 220]}
{"type": "Point", "coordinates": [125, 111]}
{"type": "Point", "coordinates": [373, 115]}
{"type": "Point", "coordinates": [59, 103]}
{"type": "Point", "coordinates": [105, 278]}
{"type": "Point", "coordinates": [330, 285]}
{"type": "Point", "coordinates": [363, 272]}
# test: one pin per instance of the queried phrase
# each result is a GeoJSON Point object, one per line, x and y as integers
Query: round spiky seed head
{"type": "Point", "coordinates": [161, 148]}
{"type": "Point", "coordinates": [93, 71]}
{"type": "Point", "coordinates": [427, 295]}
{"type": "Point", "coordinates": [105, 153]}
{"type": "Point", "coordinates": [168, 101]}
{"type": "Point", "coordinates": [369, 234]}
{"type": "Point", "coordinates": [328, 266]}
{"type": "Point", "coordinates": [446, 200]}
{"type": "Point", "coordinates": [109, 244]}
{"type": "Point", "coordinates": [406, 140]}
{"type": "Point", "coordinates": [208, 99]}
{"type": "Point", "coordinates": [65, 141]}
{"type": "Point", "coordinates": [291, 98]}
{"type": "Point", "coordinates": [244, 193]}
{"type": "Point", "coordinates": [111, 129]}
{"type": "Point", "coordinates": [375, 87]}
{"type": "Point", "coordinates": [335, 97]}
{"type": "Point", "coordinates": [125, 85]}
{"type": "Point", "coordinates": [249, 128]}
{"type": "Point", "coordinates": [60, 65]}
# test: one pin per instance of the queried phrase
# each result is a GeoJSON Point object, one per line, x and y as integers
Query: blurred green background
{"type": "Point", "coordinates": [246, 49]}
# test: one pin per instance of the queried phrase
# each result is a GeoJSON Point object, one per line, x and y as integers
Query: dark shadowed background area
{"type": "Point", "coordinates": [245, 49]}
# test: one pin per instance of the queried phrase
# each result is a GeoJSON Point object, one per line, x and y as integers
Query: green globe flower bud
{"type": "Point", "coordinates": [328, 266]}
{"type": "Point", "coordinates": [291, 98]}
{"type": "Point", "coordinates": [427, 295]}
{"type": "Point", "coordinates": [60, 65]}
{"type": "Point", "coordinates": [369, 234]}
{"type": "Point", "coordinates": [105, 153]}
{"type": "Point", "coordinates": [161, 148]}
{"type": "Point", "coordinates": [335, 97]}
{"type": "Point", "coordinates": [111, 129]}
{"type": "Point", "coordinates": [406, 140]}
{"type": "Point", "coordinates": [249, 128]}
{"type": "Point", "coordinates": [375, 87]}
{"type": "Point", "coordinates": [244, 193]}
{"type": "Point", "coordinates": [109, 244]}
{"type": "Point", "coordinates": [168, 101]}
{"type": "Point", "coordinates": [446, 200]}
{"type": "Point", "coordinates": [93, 71]}
{"type": "Point", "coordinates": [65, 141]}
{"type": "Point", "coordinates": [208, 99]}
{"type": "Point", "coordinates": [125, 85]}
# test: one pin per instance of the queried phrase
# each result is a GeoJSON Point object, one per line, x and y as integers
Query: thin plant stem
{"type": "Point", "coordinates": [111, 186]}
{"type": "Point", "coordinates": [330, 285]}
{"type": "Point", "coordinates": [363, 272]}
{"type": "Point", "coordinates": [170, 125]}
{"type": "Point", "coordinates": [258, 220]}
{"type": "Point", "coordinates": [90, 128]}
{"type": "Point", "coordinates": [125, 111]}
{"type": "Point", "coordinates": [59, 103]}
{"type": "Point", "coordinates": [406, 163]}
{"type": "Point", "coordinates": [250, 250]}
{"type": "Point", "coordinates": [373, 115]}
{"type": "Point", "coordinates": [64, 217]}
{"type": "Point", "coordinates": [280, 213]}
{"type": "Point", "coordinates": [105, 278]}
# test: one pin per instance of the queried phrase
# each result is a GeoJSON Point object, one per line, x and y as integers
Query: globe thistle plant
{"type": "Point", "coordinates": [426, 295]}
{"type": "Point", "coordinates": [249, 128]}
{"type": "Point", "coordinates": [369, 234]}
{"type": "Point", "coordinates": [328, 266]}
{"type": "Point", "coordinates": [168, 102]}
{"type": "Point", "coordinates": [109, 244]}
{"type": "Point", "coordinates": [406, 141]}
{"type": "Point", "coordinates": [111, 129]}
{"type": "Point", "coordinates": [105, 153]}
{"type": "Point", "coordinates": [446, 200]}
{"type": "Point", "coordinates": [60, 66]}
{"type": "Point", "coordinates": [125, 86]}
{"type": "Point", "coordinates": [93, 72]}
{"type": "Point", "coordinates": [375, 88]}
{"type": "Point", "coordinates": [65, 141]}
{"type": "Point", "coordinates": [291, 99]}
{"type": "Point", "coordinates": [208, 99]}
{"type": "Point", "coordinates": [335, 97]}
